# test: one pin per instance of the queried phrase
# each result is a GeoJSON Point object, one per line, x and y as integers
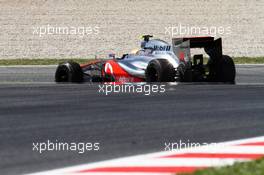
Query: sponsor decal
{"type": "Point", "coordinates": [162, 48]}
{"type": "Point", "coordinates": [109, 68]}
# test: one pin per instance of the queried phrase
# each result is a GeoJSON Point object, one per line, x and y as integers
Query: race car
{"type": "Point", "coordinates": [157, 61]}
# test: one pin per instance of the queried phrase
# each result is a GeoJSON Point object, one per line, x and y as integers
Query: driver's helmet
{"type": "Point", "coordinates": [141, 51]}
{"type": "Point", "coordinates": [134, 51]}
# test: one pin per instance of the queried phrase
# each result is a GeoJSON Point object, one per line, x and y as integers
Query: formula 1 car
{"type": "Point", "coordinates": [157, 61]}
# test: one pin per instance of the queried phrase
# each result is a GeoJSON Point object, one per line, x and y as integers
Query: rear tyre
{"type": "Point", "coordinates": [160, 70]}
{"type": "Point", "coordinates": [185, 74]}
{"type": "Point", "coordinates": [227, 70]}
{"type": "Point", "coordinates": [69, 72]}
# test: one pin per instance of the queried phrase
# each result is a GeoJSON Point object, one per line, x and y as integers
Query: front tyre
{"type": "Point", "coordinates": [160, 70]}
{"type": "Point", "coordinates": [69, 72]}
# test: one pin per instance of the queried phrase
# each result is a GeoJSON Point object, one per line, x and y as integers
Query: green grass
{"type": "Point", "coordinates": [246, 60]}
{"type": "Point", "coordinates": [7, 62]}
{"type": "Point", "coordinates": [245, 168]}
{"type": "Point", "coordinates": [249, 60]}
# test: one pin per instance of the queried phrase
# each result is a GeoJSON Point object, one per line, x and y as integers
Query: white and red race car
{"type": "Point", "coordinates": [157, 61]}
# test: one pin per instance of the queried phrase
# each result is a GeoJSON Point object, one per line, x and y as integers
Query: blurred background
{"type": "Point", "coordinates": [116, 25]}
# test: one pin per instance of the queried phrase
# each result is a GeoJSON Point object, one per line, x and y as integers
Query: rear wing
{"type": "Point", "coordinates": [211, 46]}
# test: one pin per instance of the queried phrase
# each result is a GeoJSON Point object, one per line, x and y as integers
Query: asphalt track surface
{"type": "Point", "coordinates": [34, 109]}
